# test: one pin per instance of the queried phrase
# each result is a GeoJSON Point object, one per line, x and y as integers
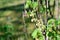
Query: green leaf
{"type": "Point", "coordinates": [28, 2]}
{"type": "Point", "coordinates": [51, 21]}
{"type": "Point", "coordinates": [34, 34]}
{"type": "Point", "coordinates": [50, 34]}
{"type": "Point", "coordinates": [29, 13]}
{"type": "Point", "coordinates": [26, 6]}
{"type": "Point", "coordinates": [58, 22]}
{"type": "Point", "coordinates": [58, 37]}
{"type": "Point", "coordinates": [34, 5]}
{"type": "Point", "coordinates": [8, 28]}
{"type": "Point", "coordinates": [41, 9]}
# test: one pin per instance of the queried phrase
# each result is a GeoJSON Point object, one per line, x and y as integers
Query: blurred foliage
{"type": "Point", "coordinates": [8, 3]}
{"type": "Point", "coordinates": [11, 13]}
